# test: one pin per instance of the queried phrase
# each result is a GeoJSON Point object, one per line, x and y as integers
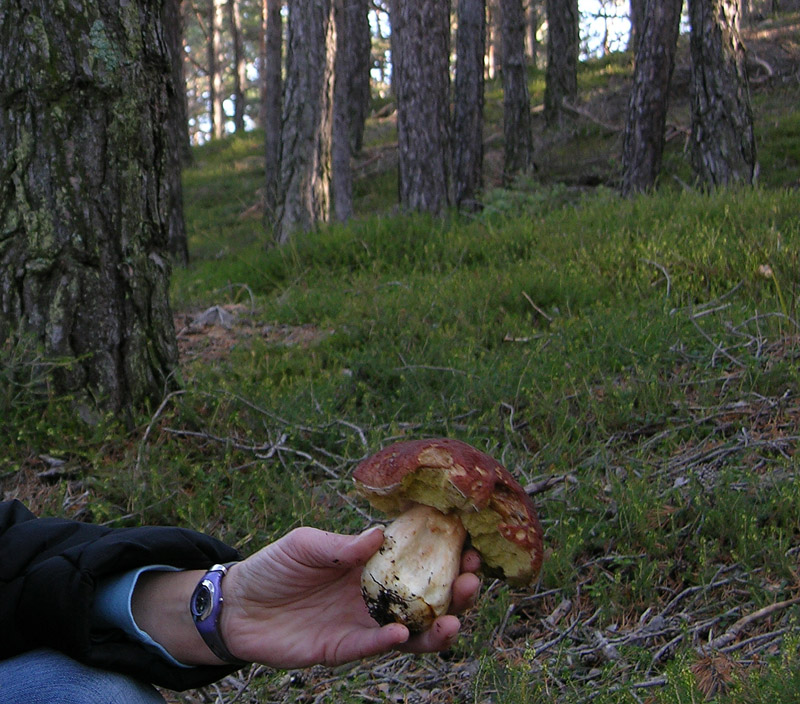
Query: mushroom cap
{"type": "Point", "coordinates": [455, 477]}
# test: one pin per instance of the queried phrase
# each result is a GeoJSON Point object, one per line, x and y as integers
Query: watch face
{"type": "Point", "coordinates": [203, 600]}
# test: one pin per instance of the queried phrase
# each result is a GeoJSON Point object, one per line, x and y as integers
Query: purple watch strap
{"type": "Point", "coordinates": [206, 608]}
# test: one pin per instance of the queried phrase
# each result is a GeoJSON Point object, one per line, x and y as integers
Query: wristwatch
{"type": "Point", "coordinates": [206, 608]}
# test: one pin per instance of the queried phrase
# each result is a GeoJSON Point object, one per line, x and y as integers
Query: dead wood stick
{"type": "Point", "coordinates": [731, 634]}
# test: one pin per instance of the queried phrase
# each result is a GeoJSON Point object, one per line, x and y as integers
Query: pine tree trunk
{"type": "Point", "coordinates": [517, 130]}
{"type": "Point", "coordinates": [637, 15]}
{"type": "Point", "coordinates": [177, 132]}
{"type": "Point", "coordinates": [215, 68]}
{"type": "Point", "coordinates": [85, 193]}
{"type": "Point", "coordinates": [341, 152]}
{"type": "Point", "coordinates": [494, 41]}
{"type": "Point", "coordinates": [643, 142]}
{"type": "Point", "coordinates": [273, 88]}
{"type": "Point", "coordinates": [239, 65]}
{"type": "Point", "coordinates": [723, 140]}
{"type": "Point", "coordinates": [561, 77]}
{"type": "Point", "coordinates": [468, 103]}
{"type": "Point", "coordinates": [421, 79]}
{"type": "Point", "coordinates": [307, 118]}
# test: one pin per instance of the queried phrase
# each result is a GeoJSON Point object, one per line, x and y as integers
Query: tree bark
{"type": "Point", "coordinates": [561, 76]}
{"type": "Point", "coordinates": [468, 103]}
{"type": "Point", "coordinates": [532, 20]}
{"type": "Point", "coordinates": [341, 152]}
{"type": "Point", "coordinates": [517, 130]}
{"type": "Point", "coordinates": [177, 132]}
{"type": "Point", "coordinates": [643, 142]}
{"type": "Point", "coordinates": [239, 64]}
{"type": "Point", "coordinates": [307, 118]}
{"type": "Point", "coordinates": [273, 87]}
{"type": "Point", "coordinates": [84, 194]}
{"type": "Point", "coordinates": [421, 79]}
{"type": "Point", "coordinates": [723, 139]}
{"type": "Point", "coordinates": [637, 15]}
{"type": "Point", "coordinates": [215, 67]}
{"type": "Point", "coordinates": [494, 41]}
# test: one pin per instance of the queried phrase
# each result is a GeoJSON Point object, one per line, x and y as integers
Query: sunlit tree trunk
{"type": "Point", "coordinates": [494, 42]}
{"type": "Point", "coordinates": [215, 68]}
{"type": "Point", "coordinates": [307, 118]}
{"type": "Point", "coordinates": [643, 142]}
{"type": "Point", "coordinates": [723, 140]}
{"type": "Point", "coordinates": [561, 77]}
{"type": "Point", "coordinates": [421, 76]}
{"type": "Point", "coordinates": [84, 195]}
{"type": "Point", "coordinates": [272, 85]}
{"type": "Point", "coordinates": [518, 137]}
{"type": "Point", "coordinates": [468, 103]}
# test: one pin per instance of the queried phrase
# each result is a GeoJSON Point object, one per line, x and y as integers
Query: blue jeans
{"type": "Point", "coordinates": [47, 677]}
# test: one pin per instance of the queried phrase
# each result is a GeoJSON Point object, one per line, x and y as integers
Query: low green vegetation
{"type": "Point", "coordinates": [633, 361]}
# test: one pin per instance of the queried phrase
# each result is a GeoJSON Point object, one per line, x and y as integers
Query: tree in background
{"type": "Point", "coordinates": [561, 76]}
{"type": "Point", "coordinates": [517, 131]}
{"type": "Point", "coordinates": [643, 142]}
{"type": "Point", "coordinates": [272, 88]}
{"type": "Point", "coordinates": [350, 98]}
{"type": "Point", "coordinates": [85, 192]}
{"type": "Point", "coordinates": [421, 80]}
{"type": "Point", "coordinates": [494, 41]}
{"type": "Point", "coordinates": [637, 15]}
{"type": "Point", "coordinates": [239, 64]}
{"type": "Point", "coordinates": [177, 132]}
{"type": "Point", "coordinates": [215, 67]}
{"type": "Point", "coordinates": [468, 102]}
{"type": "Point", "coordinates": [307, 118]}
{"type": "Point", "coordinates": [723, 140]}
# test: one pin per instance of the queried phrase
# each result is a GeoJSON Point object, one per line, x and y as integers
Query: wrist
{"type": "Point", "coordinates": [161, 608]}
{"type": "Point", "coordinates": [207, 608]}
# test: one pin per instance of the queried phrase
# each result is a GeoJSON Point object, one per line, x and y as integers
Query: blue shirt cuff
{"type": "Point", "coordinates": [112, 608]}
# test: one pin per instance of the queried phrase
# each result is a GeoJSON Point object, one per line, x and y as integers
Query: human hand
{"type": "Point", "coordinates": [298, 602]}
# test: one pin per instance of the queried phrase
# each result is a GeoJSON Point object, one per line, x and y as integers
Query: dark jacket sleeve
{"type": "Point", "coordinates": [49, 569]}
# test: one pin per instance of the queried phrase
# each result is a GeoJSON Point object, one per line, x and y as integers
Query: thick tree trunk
{"type": "Point", "coordinates": [561, 77]}
{"type": "Point", "coordinates": [307, 118]}
{"type": "Point", "coordinates": [723, 140]}
{"type": "Point", "coordinates": [517, 130]}
{"type": "Point", "coordinates": [468, 103]}
{"type": "Point", "coordinates": [272, 105]}
{"type": "Point", "coordinates": [341, 152]}
{"type": "Point", "coordinates": [421, 77]}
{"type": "Point", "coordinates": [84, 194]}
{"type": "Point", "coordinates": [637, 15]}
{"type": "Point", "coordinates": [239, 64]}
{"type": "Point", "coordinates": [177, 131]}
{"type": "Point", "coordinates": [643, 142]}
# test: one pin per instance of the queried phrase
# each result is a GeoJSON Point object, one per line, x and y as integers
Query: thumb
{"type": "Point", "coordinates": [323, 549]}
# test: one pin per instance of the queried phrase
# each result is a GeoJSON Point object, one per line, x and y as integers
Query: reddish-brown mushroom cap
{"type": "Point", "coordinates": [455, 477]}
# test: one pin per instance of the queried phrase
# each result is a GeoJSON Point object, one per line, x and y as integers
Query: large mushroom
{"type": "Point", "coordinates": [440, 491]}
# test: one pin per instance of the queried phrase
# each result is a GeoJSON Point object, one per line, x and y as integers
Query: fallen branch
{"type": "Point", "coordinates": [733, 632]}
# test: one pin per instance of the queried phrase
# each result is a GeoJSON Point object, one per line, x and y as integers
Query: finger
{"type": "Point", "coordinates": [464, 592]}
{"type": "Point", "coordinates": [440, 636]}
{"type": "Point", "coordinates": [470, 561]}
{"type": "Point", "coordinates": [371, 641]}
{"type": "Point", "coordinates": [317, 548]}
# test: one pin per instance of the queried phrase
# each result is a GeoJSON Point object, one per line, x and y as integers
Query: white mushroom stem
{"type": "Point", "coordinates": [409, 579]}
